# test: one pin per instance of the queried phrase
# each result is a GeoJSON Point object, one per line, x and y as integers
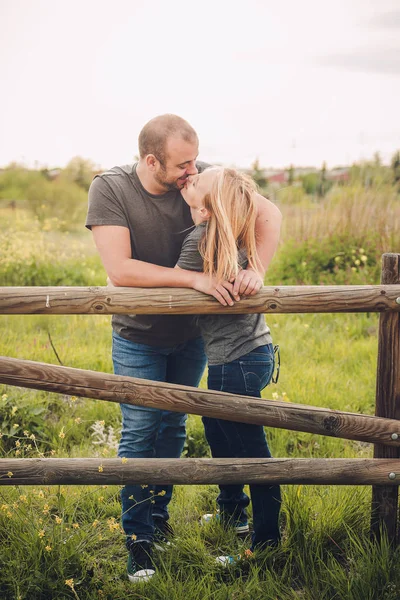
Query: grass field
{"type": "Point", "coordinates": [66, 542]}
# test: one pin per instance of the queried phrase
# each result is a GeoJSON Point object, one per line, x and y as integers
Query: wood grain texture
{"type": "Point", "coordinates": [112, 300]}
{"type": "Point", "coordinates": [190, 471]}
{"type": "Point", "coordinates": [385, 499]}
{"type": "Point", "coordinates": [178, 398]}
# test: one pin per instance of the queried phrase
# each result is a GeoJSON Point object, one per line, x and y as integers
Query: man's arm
{"type": "Point", "coordinates": [268, 227]}
{"type": "Point", "coordinates": [114, 246]}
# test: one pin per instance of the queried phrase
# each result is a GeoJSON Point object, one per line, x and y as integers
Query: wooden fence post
{"type": "Point", "coordinates": [385, 498]}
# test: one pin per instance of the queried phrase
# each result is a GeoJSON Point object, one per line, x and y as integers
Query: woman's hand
{"type": "Point", "coordinates": [247, 283]}
{"type": "Point", "coordinates": [222, 291]}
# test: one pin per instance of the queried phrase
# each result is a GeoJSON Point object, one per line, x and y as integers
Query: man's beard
{"type": "Point", "coordinates": [168, 185]}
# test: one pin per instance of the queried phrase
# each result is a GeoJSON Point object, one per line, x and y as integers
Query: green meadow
{"type": "Point", "coordinates": [66, 542]}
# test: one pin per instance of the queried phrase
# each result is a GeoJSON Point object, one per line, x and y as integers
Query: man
{"type": "Point", "coordinates": [139, 220]}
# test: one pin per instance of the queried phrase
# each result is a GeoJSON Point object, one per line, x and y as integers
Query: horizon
{"type": "Point", "coordinates": [287, 84]}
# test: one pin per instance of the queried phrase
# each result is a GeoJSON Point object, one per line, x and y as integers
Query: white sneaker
{"type": "Point", "coordinates": [238, 526]}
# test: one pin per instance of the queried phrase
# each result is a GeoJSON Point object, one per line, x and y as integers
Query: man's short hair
{"type": "Point", "coordinates": [154, 135]}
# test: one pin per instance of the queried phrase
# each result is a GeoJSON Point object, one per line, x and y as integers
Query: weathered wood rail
{"type": "Point", "coordinates": [112, 300]}
{"type": "Point", "coordinates": [85, 471]}
{"type": "Point", "coordinates": [382, 472]}
{"type": "Point", "coordinates": [180, 398]}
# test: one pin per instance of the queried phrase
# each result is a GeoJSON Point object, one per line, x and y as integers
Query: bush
{"type": "Point", "coordinates": [332, 261]}
{"type": "Point", "coordinates": [22, 425]}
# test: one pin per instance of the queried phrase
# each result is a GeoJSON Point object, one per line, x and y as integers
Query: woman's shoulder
{"type": "Point", "coordinates": [196, 234]}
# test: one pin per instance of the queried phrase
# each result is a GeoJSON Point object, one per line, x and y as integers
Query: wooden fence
{"type": "Point", "coordinates": [383, 429]}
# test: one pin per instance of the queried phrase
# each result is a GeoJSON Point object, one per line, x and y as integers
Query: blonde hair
{"type": "Point", "coordinates": [231, 226]}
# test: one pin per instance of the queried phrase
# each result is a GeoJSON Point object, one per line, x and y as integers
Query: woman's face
{"type": "Point", "coordinates": [194, 191]}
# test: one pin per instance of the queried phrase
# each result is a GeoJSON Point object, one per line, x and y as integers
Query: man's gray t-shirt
{"type": "Point", "coordinates": [157, 225]}
{"type": "Point", "coordinates": [226, 337]}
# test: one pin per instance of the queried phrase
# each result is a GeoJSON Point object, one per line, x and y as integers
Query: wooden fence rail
{"type": "Point", "coordinates": [180, 398]}
{"type": "Point", "coordinates": [112, 300]}
{"type": "Point", "coordinates": [382, 472]}
{"type": "Point", "coordinates": [96, 471]}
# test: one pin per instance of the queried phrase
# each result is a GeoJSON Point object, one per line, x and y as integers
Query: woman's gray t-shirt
{"type": "Point", "coordinates": [226, 337]}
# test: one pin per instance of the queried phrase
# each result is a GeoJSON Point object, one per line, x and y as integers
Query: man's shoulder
{"type": "Point", "coordinates": [118, 171]}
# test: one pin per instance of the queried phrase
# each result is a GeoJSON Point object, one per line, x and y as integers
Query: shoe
{"type": "Point", "coordinates": [140, 565]}
{"type": "Point", "coordinates": [239, 526]}
{"type": "Point", "coordinates": [234, 559]}
{"type": "Point", "coordinates": [163, 534]}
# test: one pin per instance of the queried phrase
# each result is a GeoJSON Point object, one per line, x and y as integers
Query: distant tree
{"type": "Point", "coordinates": [81, 171]}
{"type": "Point", "coordinates": [324, 185]}
{"type": "Point", "coordinates": [15, 179]}
{"type": "Point", "coordinates": [258, 175]}
{"type": "Point", "coordinates": [395, 164]}
{"type": "Point", "coordinates": [291, 175]}
{"type": "Point", "coordinates": [310, 183]}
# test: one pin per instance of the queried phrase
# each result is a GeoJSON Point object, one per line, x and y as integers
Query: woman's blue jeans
{"type": "Point", "coordinates": [150, 432]}
{"type": "Point", "coordinates": [246, 376]}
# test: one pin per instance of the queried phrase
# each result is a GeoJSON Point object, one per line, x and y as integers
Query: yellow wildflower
{"type": "Point", "coordinates": [26, 433]}
{"type": "Point", "coordinates": [95, 523]}
{"type": "Point", "coordinates": [18, 443]}
{"type": "Point", "coordinates": [10, 474]}
{"type": "Point", "coordinates": [61, 434]}
{"type": "Point", "coordinates": [162, 493]}
{"type": "Point", "coordinates": [75, 525]}
{"type": "Point", "coordinates": [134, 537]}
{"type": "Point", "coordinates": [73, 398]}
{"type": "Point", "coordinates": [101, 469]}
{"type": "Point", "coordinates": [69, 583]}
{"type": "Point", "coordinates": [58, 520]}
{"type": "Point", "coordinates": [48, 548]}
{"type": "Point", "coordinates": [124, 460]}
{"type": "Point", "coordinates": [41, 533]}
{"type": "Point", "coordinates": [78, 420]}
{"type": "Point", "coordinates": [40, 494]}
{"type": "Point", "coordinates": [32, 436]}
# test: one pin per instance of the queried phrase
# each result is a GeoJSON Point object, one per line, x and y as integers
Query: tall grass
{"type": "Point", "coordinates": [347, 212]}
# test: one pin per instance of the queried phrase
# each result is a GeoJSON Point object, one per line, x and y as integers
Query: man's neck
{"type": "Point", "coordinates": [148, 182]}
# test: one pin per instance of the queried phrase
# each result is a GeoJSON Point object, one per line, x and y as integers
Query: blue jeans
{"type": "Point", "coordinates": [151, 432]}
{"type": "Point", "coordinates": [246, 376]}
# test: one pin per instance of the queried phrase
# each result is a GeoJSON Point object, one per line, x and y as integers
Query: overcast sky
{"type": "Point", "coordinates": [282, 80]}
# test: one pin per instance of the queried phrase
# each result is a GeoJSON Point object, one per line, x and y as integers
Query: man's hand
{"type": "Point", "coordinates": [247, 283]}
{"type": "Point", "coordinates": [222, 291]}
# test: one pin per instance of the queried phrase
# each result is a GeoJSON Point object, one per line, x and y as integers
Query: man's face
{"type": "Point", "coordinates": [180, 162]}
